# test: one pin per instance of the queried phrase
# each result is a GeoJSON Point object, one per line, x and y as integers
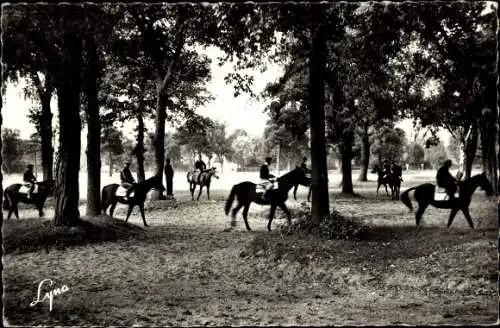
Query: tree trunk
{"type": "Point", "coordinates": [1, 160]}
{"type": "Point", "coordinates": [320, 206]}
{"type": "Point", "coordinates": [46, 138]}
{"type": "Point", "coordinates": [45, 122]}
{"type": "Point", "coordinates": [489, 156]}
{"type": "Point", "coordinates": [68, 161]}
{"type": "Point", "coordinates": [469, 151]}
{"type": "Point", "coordinates": [346, 158]}
{"type": "Point", "coordinates": [160, 136]}
{"type": "Point", "coordinates": [110, 159]}
{"type": "Point", "coordinates": [139, 148]}
{"type": "Point", "coordinates": [93, 134]}
{"type": "Point", "coordinates": [365, 154]}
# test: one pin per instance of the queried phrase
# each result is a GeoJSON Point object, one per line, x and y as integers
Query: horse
{"type": "Point", "coordinates": [305, 183]}
{"type": "Point", "coordinates": [396, 177]}
{"type": "Point", "coordinates": [392, 179]}
{"type": "Point", "coordinates": [204, 180]}
{"type": "Point", "coordinates": [13, 194]}
{"type": "Point", "coordinates": [246, 193]}
{"type": "Point", "coordinates": [137, 197]}
{"type": "Point", "coordinates": [382, 179]}
{"type": "Point", "coordinates": [424, 195]}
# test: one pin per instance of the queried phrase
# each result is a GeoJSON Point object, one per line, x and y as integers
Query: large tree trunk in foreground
{"type": "Point", "coordinates": [488, 141]}
{"type": "Point", "coordinates": [93, 135]}
{"type": "Point", "coordinates": [1, 161]}
{"type": "Point", "coordinates": [365, 154]}
{"type": "Point", "coordinates": [320, 206]}
{"type": "Point", "coordinates": [68, 161]}
{"type": "Point", "coordinates": [346, 158]}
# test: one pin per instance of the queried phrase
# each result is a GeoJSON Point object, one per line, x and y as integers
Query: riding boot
{"type": "Point", "coordinates": [28, 196]}
{"type": "Point", "coordinates": [264, 196]}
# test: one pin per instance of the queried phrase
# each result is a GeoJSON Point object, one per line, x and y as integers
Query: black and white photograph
{"type": "Point", "coordinates": [250, 163]}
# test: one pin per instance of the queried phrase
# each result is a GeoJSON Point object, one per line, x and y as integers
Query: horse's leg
{"type": "Point", "coordinates": [233, 214]}
{"type": "Point", "coordinates": [287, 212]}
{"type": "Point", "coordinates": [199, 192]}
{"type": "Point", "coordinates": [245, 216]}
{"type": "Point", "coordinates": [467, 216]}
{"type": "Point", "coordinates": [40, 209]}
{"type": "Point", "coordinates": [386, 189]}
{"type": "Point", "coordinates": [112, 209]}
{"type": "Point", "coordinates": [208, 192]}
{"type": "Point", "coordinates": [192, 187]}
{"type": "Point", "coordinates": [378, 188]}
{"type": "Point", "coordinates": [295, 191]}
{"type": "Point", "coordinates": [453, 213]}
{"type": "Point", "coordinates": [420, 212]}
{"type": "Point", "coordinates": [141, 207]}
{"type": "Point", "coordinates": [130, 208]}
{"type": "Point", "coordinates": [271, 216]}
{"type": "Point", "coordinates": [309, 195]}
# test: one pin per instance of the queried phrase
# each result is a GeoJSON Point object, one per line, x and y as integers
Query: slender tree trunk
{"type": "Point", "coordinates": [365, 154]}
{"type": "Point", "coordinates": [68, 161]}
{"type": "Point", "coordinates": [320, 206]}
{"type": "Point", "coordinates": [45, 122]}
{"type": "Point", "coordinates": [346, 157]}
{"type": "Point", "coordinates": [139, 148]}
{"type": "Point", "coordinates": [469, 151]}
{"type": "Point", "coordinates": [160, 135]}
{"type": "Point", "coordinates": [110, 159]}
{"type": "Point", "coordinates": [46, 138]}
{"type": "Point", "coordinates": [93, 134]}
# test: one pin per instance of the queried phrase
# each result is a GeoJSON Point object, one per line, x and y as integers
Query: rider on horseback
{"type": "Point", "coordinates": [29, 179]}
{"type": "Point", "coordinates": [266, 177]}
{"type": "Point", "coordinates": [387, 169]}
{"type": "Point", "coordinates": [127, 180]}
{"type": "Point", "coordinates": [200, 167]}
{"type": "Point", "coordinates": [446, 180]}
{"type": "Point", "coordinates": [397, 170]}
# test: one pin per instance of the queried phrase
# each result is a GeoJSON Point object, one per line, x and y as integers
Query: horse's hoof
{"type": "Point", "coordinates": [146, 225]}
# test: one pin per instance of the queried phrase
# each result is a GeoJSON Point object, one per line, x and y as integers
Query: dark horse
{"type": "Point", "coordinates": [204, 180]}
{"type": "Point", "coordinates": [137, 198]}
{"type": "Point", "coordinates": [12, 197]}
{"type": "Point", "coordinates": [305, 183]}
{"type": "Point", "coordinates": [246, 193]}
{"type": "Point", "coordinates": [424, 195]}
{"type": "Point", "coordinates": [392, 180]}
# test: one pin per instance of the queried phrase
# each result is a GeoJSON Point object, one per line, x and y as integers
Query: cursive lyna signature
{"type": "Point", "coordinates": [49, 295]}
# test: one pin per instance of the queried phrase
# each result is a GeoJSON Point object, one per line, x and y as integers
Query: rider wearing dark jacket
{"type": "Point", "coordinates": [200, 166]}
{"type": "Point", "coordinates": [30, 179]}
{"type": "Point", "coordinates": [266, 176]}
{"type": "Point", "coordinates": [127, 179]}
{"type": "Point", "coordinates": [445, 180]}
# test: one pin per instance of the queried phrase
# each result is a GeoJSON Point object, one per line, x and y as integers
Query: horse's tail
{"type": "Point", "coordinates": [405, 198]}
{"type": "Point", "coordinates": [230, 200]}
{"type": "Point", "coordinates": [6, 202]}
{"type": "Point", "coordinates": [104, 200]}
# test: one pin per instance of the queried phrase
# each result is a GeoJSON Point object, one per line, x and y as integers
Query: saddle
{"type": "Point", "coordinates": [25, 188]}
{"type": "Point", "coordinates": [121, 191]}
{"type": "Point", "coordinates": [261, 186]}
{"type": "Point", "coordinates": [440, 194]}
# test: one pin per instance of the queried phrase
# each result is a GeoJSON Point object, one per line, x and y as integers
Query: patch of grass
{"type": "Point", "coordinates": [29, 235]}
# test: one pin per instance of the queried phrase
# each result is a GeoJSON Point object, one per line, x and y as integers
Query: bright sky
{"type": "Point", "coordinates": [238, 113]}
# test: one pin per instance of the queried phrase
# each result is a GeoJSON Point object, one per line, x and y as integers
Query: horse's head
{"type": "Point", "coordinates": [376, 169]}
{"type": "Point", "coordinates": [485, 184]}
{"type": "Point", "coordinates": [213, 171]}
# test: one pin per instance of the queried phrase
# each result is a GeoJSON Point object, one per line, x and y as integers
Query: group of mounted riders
{"type": "Point", "coordinates": [444, 178]}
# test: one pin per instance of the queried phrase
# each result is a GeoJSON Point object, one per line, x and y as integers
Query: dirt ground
{"type": "Point", "coordinates": [184, 270]}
